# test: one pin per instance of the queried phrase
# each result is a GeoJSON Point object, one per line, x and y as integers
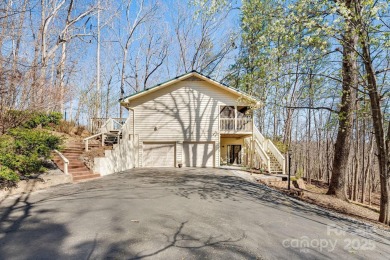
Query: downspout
{"type": "Point", "coordinates": [132, 109]}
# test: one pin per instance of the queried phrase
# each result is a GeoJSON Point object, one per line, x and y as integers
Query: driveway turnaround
{"type": "Point", "coordinates": [185, 213]}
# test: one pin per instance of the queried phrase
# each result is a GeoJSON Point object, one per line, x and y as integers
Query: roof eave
{"type": "Point", "coordinates": [157, 87]}
{"type": "Point", "coordinates": [126, 101]}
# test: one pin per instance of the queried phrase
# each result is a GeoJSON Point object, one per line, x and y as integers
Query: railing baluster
{"type": "Point", "coordinates": [243, 124]}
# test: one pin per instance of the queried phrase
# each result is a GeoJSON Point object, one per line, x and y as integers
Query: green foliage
{"type": "Point", "coordinates": [283, 148]}
{"type": "Point", "coordinates": [24, 151]}
{"type": "Point", "coordinates": [7, 175]}
{"type": "Point", "coordinates": [34, 142]}
{"type": "Point", "coordinates": [24, 165]}
{"type": "Point", "coordinates": [43, 119]}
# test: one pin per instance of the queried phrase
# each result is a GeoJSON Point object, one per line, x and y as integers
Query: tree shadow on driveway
{"type": "Point", "coordinates": [217, 186]}
{"type": "Point", "coordinates": [46, 225]}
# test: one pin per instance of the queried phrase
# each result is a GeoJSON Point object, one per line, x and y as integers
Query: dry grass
{"type": "Point", "coordinates": [315, 193]}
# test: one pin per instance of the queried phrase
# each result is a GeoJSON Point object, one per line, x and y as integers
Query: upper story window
{"type": "Point", "coordinates": [229, 112]}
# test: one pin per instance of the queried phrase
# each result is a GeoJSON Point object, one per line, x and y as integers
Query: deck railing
{"type": "Point", "coordinates": [96, 123]}
{"type": "Point", "coordinates": [230, 125]}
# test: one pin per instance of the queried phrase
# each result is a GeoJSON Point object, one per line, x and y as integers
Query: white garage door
{"type": "Point", "coordinates": [198, 154]}
{"type": "Point", "coordinates": [158, 155]}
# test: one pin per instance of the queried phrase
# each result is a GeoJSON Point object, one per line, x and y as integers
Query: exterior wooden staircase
{"type": "Point", "coordinates": [76, 168]}
{"type": "Point", "coordinates": [266, 154]}
{"type": "Point", "coordinates": [275, 165]}
{"type": "Point", "coordinates": [112, 137]}
{"type": "Point", "coordinates": [109, 134]}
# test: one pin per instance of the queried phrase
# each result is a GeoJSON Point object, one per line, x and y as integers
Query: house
{"type": "Point", "coordinates": [189, 121]}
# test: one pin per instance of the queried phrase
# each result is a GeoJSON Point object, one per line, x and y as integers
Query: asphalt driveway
{"type": "Point", "coordinates": [178, 214]}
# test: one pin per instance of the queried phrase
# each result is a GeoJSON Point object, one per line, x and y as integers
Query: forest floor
{"type": "Point", "coordinates": [315, 193]}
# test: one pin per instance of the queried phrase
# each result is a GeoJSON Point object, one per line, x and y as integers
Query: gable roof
{"type": "Point", "coordinates": [184, 77]}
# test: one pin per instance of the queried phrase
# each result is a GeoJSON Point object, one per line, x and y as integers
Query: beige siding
{"type": "Point", "coordinates": [199, 154]}
{"type": "Point", "coordinates": [120, 158]}
{"type": "Point", "coordinates": [185, 111]}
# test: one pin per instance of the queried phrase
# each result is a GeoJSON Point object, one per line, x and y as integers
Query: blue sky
{"type": "Point", "coordinates": [115, 31]}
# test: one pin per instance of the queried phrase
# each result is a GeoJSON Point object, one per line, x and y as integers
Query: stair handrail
{"type": "Point", "coordinates": [64, 159]}
{"type": "Point", "coordinates": [278, 155]}
{"type": "Point", "coordinates": [92, 136]}
{"type": "Point", "coordinates": [116, 123]}
{"type": "Point", "coordinates": [264, 156]}
{"type": "Point", "coordinates": [124, 129]}
{"type": "Point", "coordinates": [86, 140]}
{"type": "Point", "coordinates": [105, 128]}
{"type": "Point", "coordinates": [259, 136]}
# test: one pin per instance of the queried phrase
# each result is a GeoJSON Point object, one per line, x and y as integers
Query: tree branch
{"type": "Point", "coordinates": [313, 108]}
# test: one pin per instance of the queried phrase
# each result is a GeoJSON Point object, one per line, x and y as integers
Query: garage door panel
{"type": "Point", "coordinates": [158, 155]}
{"type": "Point", "coordinates": [199, 154]}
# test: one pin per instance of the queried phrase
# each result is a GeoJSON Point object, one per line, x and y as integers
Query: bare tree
{"type": "Point", "coordinates": [143, 14]}
{"type": "Point", "coordinates": [200, 45]}
{"type": "Point", "coordinates": [149, 58]}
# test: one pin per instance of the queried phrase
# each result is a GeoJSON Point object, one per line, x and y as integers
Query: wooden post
{"type": "Point", "coordinates": [86, 145]}
{"type": "Point", "coordinates": [253, 142]}
{"type": "Point", "coordinates": [66, 168]}
{"type": "Point", "coordinates": [235, 118]}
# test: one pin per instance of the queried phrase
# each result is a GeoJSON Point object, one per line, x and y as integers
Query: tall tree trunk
{"type": "Point", "coordinates": [122, 87]}
{"type": "Point", "coordinates": [108, 97]}
{"type": "Point", "coordinates": [356, 169]}
{"type": "Point", "coordinates": [308, 146]}
{"type": "Point", "coordinates": [367, 171]}
{"type": "Point", "coordinates": [381, 142]}
{"type": "Point", "coordinates": [60, 79]}
{"type": "Point", "coordinates": [13, 89]}
{"type": "Point", "coordinates": [342, 145]}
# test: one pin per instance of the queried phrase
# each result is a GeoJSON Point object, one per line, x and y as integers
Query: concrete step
{"type": "Point", "coordinates": [73, 150]}
{"type": "Point", "coordinates": [85, 177]}
{"type": "Point", "coordinates": [72, 154]}
{"type": "Point", "coordinates": [73, 167]}
{"type": "Point", "coordinates": [78, 172]}
{"type": "Point", "coordinates": [76, 168]}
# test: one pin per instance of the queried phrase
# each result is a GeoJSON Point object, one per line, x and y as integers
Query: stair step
{"type": "Point", "coordinates": [74, 149]}
{"type": "Point", "coordinates": [72, 152]}
{"type": "Point", "coordinates": [72, 162]}
{"type": "Point", "coordinates": [76, 166]}
{"type": "Point", "coordinates": [77, 172]}
{"type": "Point", "coordinates": [86, 177]}
{"type": "Point", "coordinates": [72, 155]}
